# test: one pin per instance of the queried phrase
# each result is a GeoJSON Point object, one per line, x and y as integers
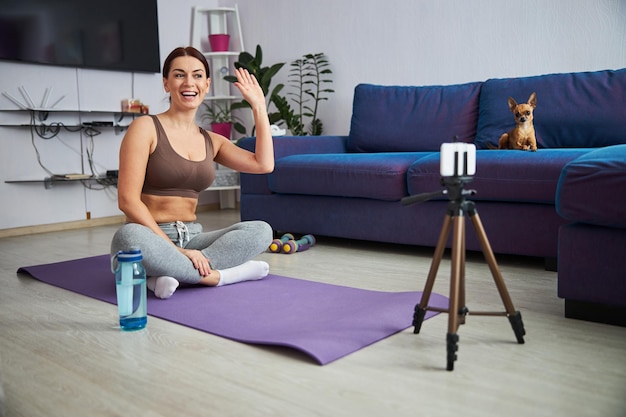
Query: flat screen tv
{"type": "Point", "coordinates": [120, 35]}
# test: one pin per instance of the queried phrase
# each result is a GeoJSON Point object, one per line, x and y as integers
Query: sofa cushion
{"type": "Point", "coordinates": [502, 175]}
{"type": "Point", "coordinates": [410, 119]}
{"type": "Point", "coordinates": [576, 110]}
{"type": "Point", "coordinates": [377, 176]}
{"type": "Point", "coordinates": [284, 146]}
{"type": "Point", "coordinates": [592, 188]}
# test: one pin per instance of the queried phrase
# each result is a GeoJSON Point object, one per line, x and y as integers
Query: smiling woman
{"type": "Point", "coordinates": [166, 160]}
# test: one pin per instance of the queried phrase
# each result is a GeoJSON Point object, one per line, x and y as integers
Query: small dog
{"type": "Point", "coordinates": [523, 135]}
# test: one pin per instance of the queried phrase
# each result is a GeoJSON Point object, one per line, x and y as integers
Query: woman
{"type": "Point", "coordinates": [165, 161]}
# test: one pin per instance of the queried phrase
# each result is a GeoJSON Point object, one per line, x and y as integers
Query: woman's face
{"type": "Point", "coordinates": [187, 82]}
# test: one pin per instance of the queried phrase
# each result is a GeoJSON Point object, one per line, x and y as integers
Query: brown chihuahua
{"type": "Point", "coordinates": [523, 135]}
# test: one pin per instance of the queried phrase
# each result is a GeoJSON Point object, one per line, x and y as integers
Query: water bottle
{"type": "Point", "coordinates": [130, 285]}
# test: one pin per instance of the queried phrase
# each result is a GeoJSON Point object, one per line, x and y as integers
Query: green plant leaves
{"type": "Point", "coordinates": [306, 79]}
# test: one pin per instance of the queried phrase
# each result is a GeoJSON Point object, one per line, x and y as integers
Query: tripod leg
{"type": "Point", "coordinates": [518, 326]}
{"type": "Point", "coordinates": [420, 309]}
{"type": "Point", "coordinates": [455, 280]}
{"type": "Point", "coordinates": [515, 317]}
{"type": "Point", "coordinates": [455, 275]}
{"type": "Point", "coordinates": [462, 307]}
{"type": "Point", "coordinates": [451, 349]}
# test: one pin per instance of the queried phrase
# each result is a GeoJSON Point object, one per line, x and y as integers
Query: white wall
{"type": "Point", "coordinates": [394, 42]}
{"type": "Point", "coordinates": [420, 42]}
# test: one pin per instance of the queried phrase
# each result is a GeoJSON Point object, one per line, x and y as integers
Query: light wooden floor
{"type": "Point", "coordinates": [61, 354]}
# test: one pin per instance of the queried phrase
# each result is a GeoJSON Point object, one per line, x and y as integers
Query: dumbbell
{"type": "Point", "coordinates": [277, 244]}
{"type": "Point", "coordinates": [293, 246]}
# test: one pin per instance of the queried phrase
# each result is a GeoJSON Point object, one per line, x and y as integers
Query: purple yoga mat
{"type": "Point", "coordinates": [324, 321]}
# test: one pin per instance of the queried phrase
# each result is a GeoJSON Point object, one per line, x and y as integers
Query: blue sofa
{"type": "Point", "coordinates": [351, 186]}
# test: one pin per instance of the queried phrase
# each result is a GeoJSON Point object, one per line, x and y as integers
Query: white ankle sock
{"type": "Point", "coordinates": [163, 286]}
{"type": "Point", "coordinates": [248, 271]}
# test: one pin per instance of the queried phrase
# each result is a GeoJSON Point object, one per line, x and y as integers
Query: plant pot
{"type": "Point", "coordinates": [219, 43]}
{"type": "Point", "coordinates": [222, 129]}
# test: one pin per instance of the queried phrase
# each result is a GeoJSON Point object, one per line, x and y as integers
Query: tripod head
{"type": "Point", "coordinates": [454, 189]}
{"type": "Point", "coordinates": [457, 166]}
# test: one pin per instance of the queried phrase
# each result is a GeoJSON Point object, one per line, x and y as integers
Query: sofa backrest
{"type": "Point", "coordinates": [410, 119]}
{"type": "Point", "coordinates": [574, 110]}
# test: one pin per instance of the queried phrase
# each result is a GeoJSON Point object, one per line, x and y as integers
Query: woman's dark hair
{"type": "Point", "coordinates": [185, 51]}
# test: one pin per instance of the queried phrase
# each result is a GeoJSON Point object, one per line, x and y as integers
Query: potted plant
{"type": "Point", "coordinates": [308, 77]}
{"type": "Point", "coordinates": [219, 116]}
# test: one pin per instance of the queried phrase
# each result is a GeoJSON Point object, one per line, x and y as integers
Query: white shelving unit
{"type": "Point", "coordinates": [212, 21]}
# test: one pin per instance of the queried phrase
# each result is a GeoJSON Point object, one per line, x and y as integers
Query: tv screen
{"type": "Point", "coordinates": [120, 35]}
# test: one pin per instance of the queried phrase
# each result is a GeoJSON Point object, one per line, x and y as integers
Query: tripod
{"type": "Point", "coordinates": [455, 217]}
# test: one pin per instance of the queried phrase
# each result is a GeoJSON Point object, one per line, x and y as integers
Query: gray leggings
{"type": "Point", "coordinates": [224, 248]}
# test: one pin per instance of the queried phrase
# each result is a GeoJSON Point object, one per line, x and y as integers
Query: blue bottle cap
{"type": "Point", "coordinates": [133, 255]}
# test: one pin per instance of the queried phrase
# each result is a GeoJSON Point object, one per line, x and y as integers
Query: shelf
{"type": "Point", "coordinates": [42, 110]}
{"type": "Point", "coordinates": [83, 125]}
{"type": "Point", "coordinates": [228, 195]}
{"type": "Point", "coordinates": [217, 20]}
{"type": "Point", "coordinates": [215, 9]}
{"type": "Point", "coordinates": [221, 54]}
{"type": "Point", "coordinates": [223, 187]}
{"type": "Point", "coordinates": [216, 98]}
{"type": "Point", "coordinates": [40, 117]}
{"type": "Point", "coordinates": [49, 182]}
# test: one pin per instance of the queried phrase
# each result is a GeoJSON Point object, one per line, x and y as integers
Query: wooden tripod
{"type": "Point", "coordinates": [457, 310]}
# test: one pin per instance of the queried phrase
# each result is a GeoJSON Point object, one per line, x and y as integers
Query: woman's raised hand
{"type": "Point", "coordinates": [250, 88]}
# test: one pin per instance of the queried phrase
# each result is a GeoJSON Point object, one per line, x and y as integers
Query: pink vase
{"type": "Point", "coordinates": [222, 129]}
{"type": "Point", "coordinates": [219, 43]}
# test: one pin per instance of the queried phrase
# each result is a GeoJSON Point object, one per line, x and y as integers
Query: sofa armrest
{"type": "Point", "coordinates": [591, 188]}
{"type": "Point", "coordinates": [295, 145]}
